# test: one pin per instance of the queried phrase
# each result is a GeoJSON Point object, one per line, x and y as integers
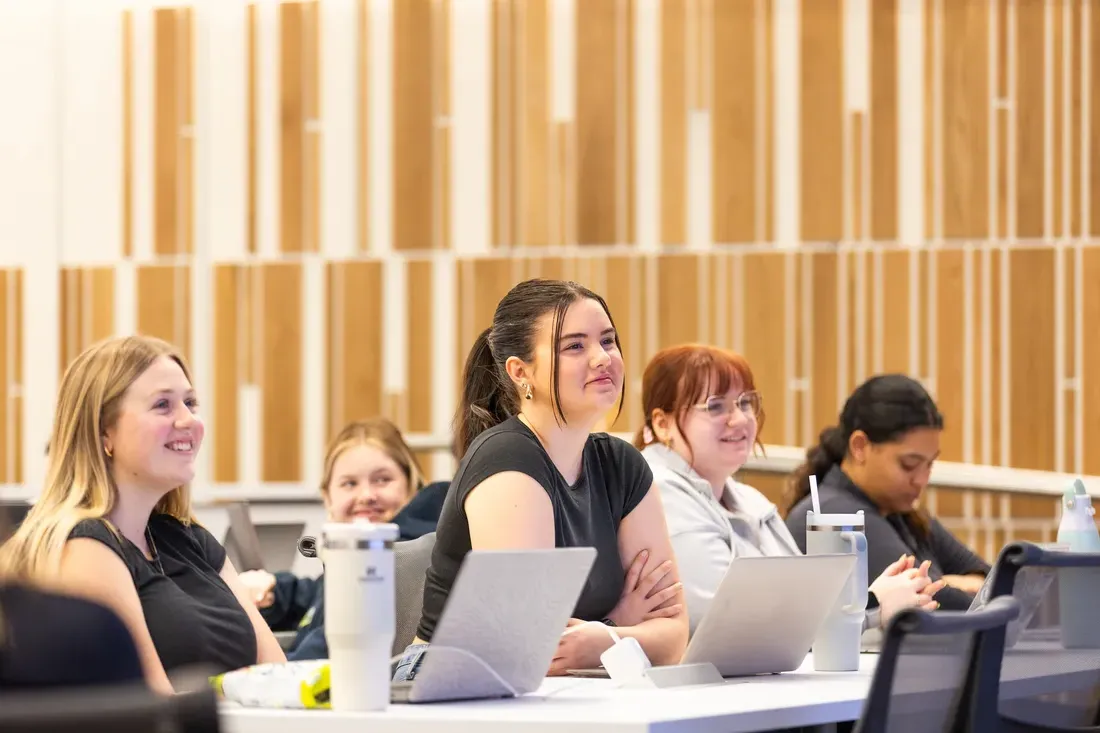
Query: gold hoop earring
{"type": "Point", "coordinates": [529, 395]}
{"type": "Point", "coordinates": [108, 452]}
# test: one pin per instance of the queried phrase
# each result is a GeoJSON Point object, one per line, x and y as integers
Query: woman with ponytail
{"type": "Point", "coordinates": [878, 458]}
{"type": "Point", "coordinates": [534, 475]}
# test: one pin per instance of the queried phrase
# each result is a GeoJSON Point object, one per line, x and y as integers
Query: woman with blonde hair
{"type": "Point", "coordinates": [371, 474]}
{"type": "Point", "coordinates": [113, 523]}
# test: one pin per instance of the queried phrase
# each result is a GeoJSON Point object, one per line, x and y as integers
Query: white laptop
{"type": "Point", "coordinates": [507, 608]}
{"type": "Point", "coordinates": [766, 613]}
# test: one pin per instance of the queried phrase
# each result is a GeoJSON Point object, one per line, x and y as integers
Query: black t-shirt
{"type": "Point", "coordinates": [192, 615]}
{"type": "Point", "coordinates": [614, 479]}
{"type": "Point", "coordinates": [50, 640]}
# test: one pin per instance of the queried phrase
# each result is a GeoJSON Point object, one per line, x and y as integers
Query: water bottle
{"type": "Point", "coordinates": [837, 644]}
{"type": "Point", "coordinates": [360, 617]}
{"type": "Point", "coordinates": [1078, 588]}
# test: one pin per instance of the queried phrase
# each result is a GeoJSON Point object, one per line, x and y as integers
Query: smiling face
{"type": "Point", "coordinates": [721, 430]}
{"type": "Point", "coordinates": [589, 363]}
{"type": "Point", "coordinates": [366, 484]}
{"type": "Point", "coordinates": [158, 433]}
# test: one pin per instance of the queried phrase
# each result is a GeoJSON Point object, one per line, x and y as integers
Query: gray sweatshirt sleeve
{"type": "Point", "coordinates": [702, 552]}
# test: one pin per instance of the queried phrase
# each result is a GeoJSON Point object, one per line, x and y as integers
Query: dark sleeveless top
{"type": "Point", "coordinates": [192, 615]}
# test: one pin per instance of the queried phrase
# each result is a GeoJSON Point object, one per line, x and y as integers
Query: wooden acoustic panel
{"type": "Point", "coordinates": [764, 304]}
{"type": "Point", "coordinates": [231, 349]}
{"type": "Point", "coordinates": [355, 342]}
{"type": "Point", "coordinates": [603, 132]}
{"type": "Point", "coordinates": [950, 328]}
{"type": "Point", "coordinates": [823, 144]}
{"type": "Point", "coordinates": [172, 148]}
{"type": "Point", "coordinates": [962, 191]}
{"type": "Point", "coordinates": [1031, 358]}
{"type": "Point", "coordinates": [1090, 358]}
{"type": "Point", "coordinates": [8, 337]}
{"type": "Point", "coordinates": [164, 303]}
{"type": "Point", "coordinates": [678, 298]}
{"type": "Point", "coordinates": [624, 294]}
{"type": "Point", "coordinates": [412, 124]}
{"type": "Point", "coordinates": [735, 131]}
{"type": "Point", "coordinates": [883, 169]}
{"type": "Point", "coordinates": [420, 326]}
{"type": "Point", "coordinates": [1031, 155]}
{"type": "Point", "coordinates": [299, 87]}
{"type": "Point", "coordinates": [280, 323]}
{"type": "Point", "coordinates": [674, 106]}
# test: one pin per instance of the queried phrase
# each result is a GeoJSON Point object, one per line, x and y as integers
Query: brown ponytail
{"type": "Point", "coordinates": [488, 397]}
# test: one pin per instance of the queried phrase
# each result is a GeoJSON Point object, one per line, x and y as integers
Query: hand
{"type": "Point", "coordinates": [902, 586]}
{"type": "Point", "coordinates": [260, 585]}
{"type": "Point", "coordinates": [640, 601]}
{"type": "Point", "coordinates": [579, 647]}
{"type": "Point", "coordinates": [969, 583]}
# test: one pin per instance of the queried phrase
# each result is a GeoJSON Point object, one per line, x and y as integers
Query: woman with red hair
{"type": "Point", "coordinates": [703, 416]}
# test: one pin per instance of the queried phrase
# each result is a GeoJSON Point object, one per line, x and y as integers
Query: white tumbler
{"type": "Point", "coordinates": [836, 647]}
{"type": "Point", "coordinates": [359, 612]}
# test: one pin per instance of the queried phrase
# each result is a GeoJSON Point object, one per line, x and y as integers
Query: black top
{"type": "Point", "coordinates": [191, 613]}
{"type": "Point", "coordinates": [49, 640]}
{"type": "Point", "coordinates": [888, 537]}
{"type": "Point", "coordinates": [614, 479]}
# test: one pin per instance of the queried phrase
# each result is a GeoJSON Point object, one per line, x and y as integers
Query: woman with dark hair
{"type": "Point", "coordinates": [878, 458]}
{"type": "Point", "coordinates": [534, 475]}
{"type": "Point", "coordinates": [703, 418]}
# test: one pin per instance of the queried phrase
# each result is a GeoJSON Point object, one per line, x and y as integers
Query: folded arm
{"type": "Point", "coordinates": [663, 639]}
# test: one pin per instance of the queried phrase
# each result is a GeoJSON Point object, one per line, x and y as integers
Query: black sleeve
{"type": "Point", "coordinates": [796, 524]}
{"type": "Point", "coordinates": [502, 452]}
{"type": "Point", "coordinates": [884, 545]}
{"type": "Point", "coordinates": [953, 556]}
{"type": "Point", "coordinates": [293, 597]}
{"type": "Point", "coordinates": [633, 476]}
{"type": "Point", "coordinates": [212, 550]}
{"type": "Point", "coordinates": [97, 529]}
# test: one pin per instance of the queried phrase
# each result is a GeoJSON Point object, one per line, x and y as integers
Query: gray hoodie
{"type": "Point", "coordinates": [707, 534]}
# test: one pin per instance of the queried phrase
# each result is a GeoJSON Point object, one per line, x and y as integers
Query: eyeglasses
{"type": "Point", "coordinates": [720, 407]}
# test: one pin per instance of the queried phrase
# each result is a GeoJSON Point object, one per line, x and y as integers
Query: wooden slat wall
{"type": "Point", "coordinates": [984, 306]}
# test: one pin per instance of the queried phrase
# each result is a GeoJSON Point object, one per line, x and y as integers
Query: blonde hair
{"type": "Point", "coordinates": [382, 434]}
{"type": "Point", "coordinates": [79, 484]}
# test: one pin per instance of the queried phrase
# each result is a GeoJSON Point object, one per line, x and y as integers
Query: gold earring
{"type": "Point", "coordinates": [108, 452]}
{"type": "Point", "coordinates": [528, 395]}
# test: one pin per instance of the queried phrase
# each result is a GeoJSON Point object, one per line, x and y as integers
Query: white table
{"type": "Point", "coordinates": [800, 698]}
{"type": "Point", "coordinates": [741, 705]}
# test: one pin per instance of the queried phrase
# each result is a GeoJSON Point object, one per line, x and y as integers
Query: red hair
{"type": "Point", "coordinates": [681, 376]}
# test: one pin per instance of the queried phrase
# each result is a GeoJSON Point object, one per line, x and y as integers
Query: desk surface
{"type": "Point", "coordinates": [736, 706]}
{"type": "Point", "coordinates": [800, 698]}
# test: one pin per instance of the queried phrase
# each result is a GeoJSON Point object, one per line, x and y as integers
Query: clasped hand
{"type": "Point", "coordinates": [642, 599]}
{"type": "Point", "coordinates": [903, 586]}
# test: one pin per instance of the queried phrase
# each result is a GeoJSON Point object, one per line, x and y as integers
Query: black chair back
{"type": "Point", "coordinates": [1076, 704]}
{"type": "Point", "coordinates": [131, 708]}
{"type": "Point", "coordinates": [938, 672]}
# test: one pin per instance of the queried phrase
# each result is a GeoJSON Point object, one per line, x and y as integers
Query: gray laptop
{"type": "Point", "coordinates": [766, 613]}
{"type": "Point", "coordinates": [505, 613]}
